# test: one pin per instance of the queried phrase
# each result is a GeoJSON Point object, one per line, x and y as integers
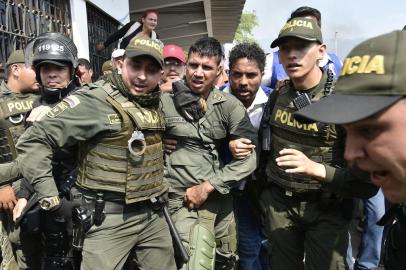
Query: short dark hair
{"type": "Point", "coordinates": [306, 11]}
{"type": "Point", "coordinates": [251, 51]}
{"type": "Point", "coordinates": [207, 46]}
{"type": "Point", "coordinates": [84, 62]}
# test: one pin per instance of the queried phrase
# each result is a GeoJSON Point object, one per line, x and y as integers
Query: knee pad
{"type": "Point", "coordinates": [202, 246]}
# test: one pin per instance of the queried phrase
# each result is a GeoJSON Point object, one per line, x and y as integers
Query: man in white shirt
{"type": "Point", "coordinates": [247, 63]}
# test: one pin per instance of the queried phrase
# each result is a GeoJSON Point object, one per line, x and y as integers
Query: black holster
{"type": "Point", "coordinates": [31, 221]}
{"type": "Point", "coordinates": [82, 221]}
{"type": "Point", "coordinates": [94, 204]}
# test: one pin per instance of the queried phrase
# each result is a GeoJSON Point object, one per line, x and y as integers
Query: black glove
{"type": "Point", "coordinates": [62, 214]}
{"type": "Point", "coordinates": [188, 104]}
{"type": "Point", "coordinates": [64, 209]}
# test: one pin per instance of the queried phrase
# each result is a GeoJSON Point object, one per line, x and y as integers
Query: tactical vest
{"type": "Point", "coordinates": [316, 140]}
{"type": "Point", "coordinates": [106, 163]}
{"type": "Point", "coordinates": [12, 110]}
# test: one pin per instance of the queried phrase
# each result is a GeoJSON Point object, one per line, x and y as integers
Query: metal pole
{"type": "Point", "coordinates": [335, 42]}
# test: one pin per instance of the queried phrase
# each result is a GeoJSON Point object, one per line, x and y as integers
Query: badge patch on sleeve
{"type": "Point", "coordinates": [66, 103]}
{"type": "Point", "coordinates": [114, 119]}
{"type": "Point", "coordinates": [58, 109]}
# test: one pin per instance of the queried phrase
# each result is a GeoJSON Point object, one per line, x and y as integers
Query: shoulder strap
{"type": "Point", "coordinates": [269, 107]}
{"type": "Point", "coordinates": [264, 134]}
{"type": "Point", "coordinates": [114, 94]}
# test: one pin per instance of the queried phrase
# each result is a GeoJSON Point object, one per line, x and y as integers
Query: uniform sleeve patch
{"type": "Point", "coordinates": [174, 120]}
{"type": "Point", "coordinates": [114, 119]}
{"type": "Point", "coordinates": [218, 96]}
{"type": "Point", "coordinates": [72, 101]}
{"type": "Point", "coordinates": [66, 103]}
{"type": "Point", "coordinates": [58, 109]}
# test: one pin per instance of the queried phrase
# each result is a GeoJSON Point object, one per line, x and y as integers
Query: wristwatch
{"type": "Point", "coordinates": [49, 202]}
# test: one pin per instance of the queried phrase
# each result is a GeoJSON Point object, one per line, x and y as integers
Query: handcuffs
{"type": "Point", "coordinates": [16, 120]}
{"type": "Point", "coordinates": [137, 144]}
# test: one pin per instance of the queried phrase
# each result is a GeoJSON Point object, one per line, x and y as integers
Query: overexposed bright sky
{"type": "Point", "coordinates": [353, 20]}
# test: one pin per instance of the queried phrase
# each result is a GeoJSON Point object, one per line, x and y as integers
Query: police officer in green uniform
{"type": "Point", "coordinates": [16, 98]}
{"type": "Point", "coordinates": [369, 101]}
{"type": "Point", "coordinates": [118, 126]}
{"type": "Point", "coordinates": [54, 58]}
{"type": "Point", "coordinates": [201, 118]}
{"type": "Point", "coordinates": [306, 216]}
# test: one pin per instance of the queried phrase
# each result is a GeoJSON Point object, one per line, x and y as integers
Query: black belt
{"type": "Point", "coordinates": [306, 196]}
{"type": "Point", "coordinates": [116, 206]}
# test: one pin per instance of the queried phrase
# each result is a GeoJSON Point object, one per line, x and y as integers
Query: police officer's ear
{"type": "Point", "coordinates": [321, 51]}
{"type": "Point", "coordinates": [219, 70]}
{"type": "Point", "coordinates": [119, 65]}
{"type": "Point", "coordinates": [15, 69]}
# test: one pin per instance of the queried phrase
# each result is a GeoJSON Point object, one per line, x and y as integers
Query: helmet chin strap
{"type": "Point", "coordinates": [53, 95]}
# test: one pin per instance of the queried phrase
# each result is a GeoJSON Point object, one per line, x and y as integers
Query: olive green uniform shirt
{"type": "Point", "coordinates": [8, 171]}
{"type": "Point", "coordinates": [196, 158]}
{"type": "Point", "coordinates": [347, 182]}
{"type": "Point", "coordinates": [4, 88]}
{"type": "Point", "coordinates": [79, 117]}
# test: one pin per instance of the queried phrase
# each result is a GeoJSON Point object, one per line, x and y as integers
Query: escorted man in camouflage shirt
{"type": "Point", "coordinates": [201, 118]}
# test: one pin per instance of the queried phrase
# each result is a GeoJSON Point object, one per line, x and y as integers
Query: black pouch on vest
{"type": "Point", "coordinates": [302, 100]}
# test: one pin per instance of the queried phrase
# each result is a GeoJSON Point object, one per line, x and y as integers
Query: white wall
{"type": "Point", "coordinates": [79, 27]}
{"type": "Point", "coordinates": [118, 9]}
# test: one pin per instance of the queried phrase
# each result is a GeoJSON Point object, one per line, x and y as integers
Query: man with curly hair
{"type": "Point", "coordinates": [247, 63]}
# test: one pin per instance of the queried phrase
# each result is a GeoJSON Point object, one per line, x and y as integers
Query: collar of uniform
{"type": "Point", "coordinates": [4, 88]}
{"type": "Point", "coordinates": [316, 89]}
{"type": "Point", "coordinates": [227, 89]}
{"type": "Point", "coordinates": [260, 99]}
{"type": "Point", "coordinates": [216, 96]}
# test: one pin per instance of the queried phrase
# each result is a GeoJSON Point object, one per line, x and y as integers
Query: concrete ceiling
{"type": "Point", "coordinates": [183, 22]}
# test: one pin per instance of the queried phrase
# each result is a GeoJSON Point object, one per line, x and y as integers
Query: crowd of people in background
{"type": "Point", "coordinates": [172, 160]}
